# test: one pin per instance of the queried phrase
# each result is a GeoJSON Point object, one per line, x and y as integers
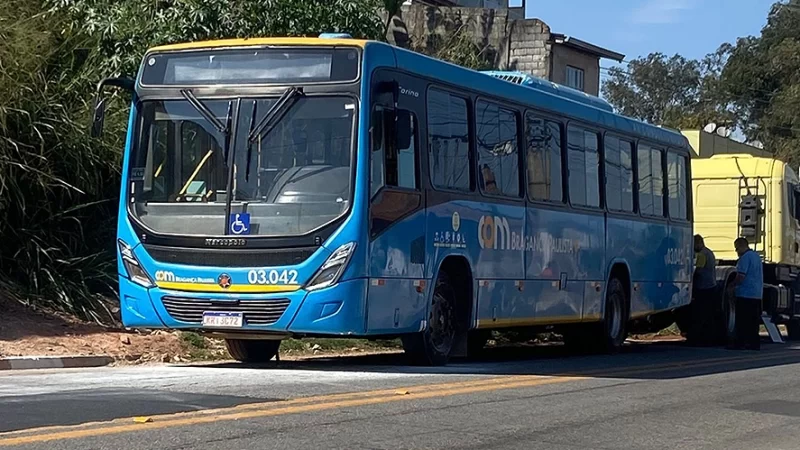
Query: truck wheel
{"type": "Point", "coordinates": [432, 346]}
{"type": "Point", "coordinates": [793, 329]}
{"type": "Point", "coordinates": [252, 351]}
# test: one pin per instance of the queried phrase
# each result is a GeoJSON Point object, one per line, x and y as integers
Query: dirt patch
{"type": "Point", "coordinates": [27, 332]}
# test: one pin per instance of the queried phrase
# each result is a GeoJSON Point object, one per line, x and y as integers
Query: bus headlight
{"type": "Point", "coordinates": [134, 270]}
{"type": "Point", "coordinates": [333, 268]}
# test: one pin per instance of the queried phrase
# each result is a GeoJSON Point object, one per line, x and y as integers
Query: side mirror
{"type": "Point", "coordinates": [404, 129]}
{"type": "Point", "coordinates": [99, 110]}
{"type": "Point", "coordinates": [98, 116]}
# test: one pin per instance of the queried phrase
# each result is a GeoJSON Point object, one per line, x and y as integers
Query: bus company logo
{"type": "Point", "coordinates": [225, 242]}
{"type": "Point", "coordinates": [494, 233]}
{"type": "Point", "coordinates": [170, 277]}
{"type": "Point", "coordinates": [451, 239]}
{"type": "Point", "coordinates": [224, 281]}
{"type": "Point", "coordinates": [165, 275]}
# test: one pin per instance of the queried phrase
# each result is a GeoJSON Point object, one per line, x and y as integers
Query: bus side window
{"type": "Point", "coordinates": [406, 157]}
{"type": "Point", "coordinates": [584, 167]}
{"type": "Point", "coordinates": [377, 155]}
{"type": "Point", "coordinates": [394, 159]}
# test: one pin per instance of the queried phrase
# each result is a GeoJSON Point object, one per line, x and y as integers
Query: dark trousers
{"type": "Point", "coordinates": [748, 321]}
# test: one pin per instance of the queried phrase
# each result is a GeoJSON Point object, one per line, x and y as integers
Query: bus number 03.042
{"type": "Point", "coordinates": [272, 277]}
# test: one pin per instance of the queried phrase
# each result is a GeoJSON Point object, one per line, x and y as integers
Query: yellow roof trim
{"type": "Point", "coordinates": [258, 42]}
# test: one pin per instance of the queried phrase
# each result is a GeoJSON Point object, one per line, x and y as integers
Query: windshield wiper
{"type": "Point", "coordinates": [223, 128]}
{"type": "Point", "coordinates": [250, 144]}
{"type": "Point", "coordinates": [269, 121]}
{"type": "Point", "coordinates": [277, 111]}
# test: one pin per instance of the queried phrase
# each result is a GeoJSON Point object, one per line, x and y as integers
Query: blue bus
{"type": "Point", "coordinates": [304, 187]}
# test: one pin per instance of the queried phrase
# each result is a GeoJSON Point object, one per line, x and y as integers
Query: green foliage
{"type": "Point", "coordinates": [125, 29]}
{"type": "Point", "coordinates": [58, 188]}
{"type": "Point", "coordinates": [193, 340]}
{"type": "Point", "coordinates": [762, 79]}
{"type": "Point", "coordinates": [671, 91]}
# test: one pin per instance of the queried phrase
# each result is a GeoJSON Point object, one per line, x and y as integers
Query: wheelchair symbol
{"type": "Point", "coordinates": [240, 223]}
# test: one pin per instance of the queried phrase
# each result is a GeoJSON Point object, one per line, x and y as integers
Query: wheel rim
{"type": "Point", "coordinates": [730, 316]}
{"type": "Point", "coordinates": [441, 325]}
{"type": "Point", "coordinates": [616, 318]}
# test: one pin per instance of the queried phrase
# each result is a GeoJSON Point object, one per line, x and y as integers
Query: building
{"type": "Point", "coordinates": [517, 12]}
{"type": "Point", "coordinates": [576, 63]}
{"type": "Point", "coordinates": [506, 40]}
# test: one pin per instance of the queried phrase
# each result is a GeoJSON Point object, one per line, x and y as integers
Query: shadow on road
{"type": "Point", "coordinates": [640, 360]}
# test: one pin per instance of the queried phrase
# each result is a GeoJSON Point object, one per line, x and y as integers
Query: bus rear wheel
{"type": "Point", "coordinates": [432, 346]}
{"type": "Point", "coordinates": [252, 351]}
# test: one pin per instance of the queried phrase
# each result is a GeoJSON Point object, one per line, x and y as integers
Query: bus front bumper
{"type": "Point", "coordinates": [338, 310]}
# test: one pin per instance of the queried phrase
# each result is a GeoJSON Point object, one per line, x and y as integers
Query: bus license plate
{"type": "Point", "coordinates": [222, 319]}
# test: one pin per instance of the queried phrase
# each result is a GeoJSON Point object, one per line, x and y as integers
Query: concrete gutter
{"type": "Point", "coordinates": [53, 362]}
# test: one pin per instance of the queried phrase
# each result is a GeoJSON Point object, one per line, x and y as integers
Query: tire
{"type": "Point", "coordinates": [252, 351]}
{"type": "Point", "coordinates": [609, 335]}
{"type": "Point", "coordinates": [432, 347]}
{"type": "Point", "coordinates": [615, 320]}
{"type": "Point", "coordinates": [726, 330]}
{"type": "Point", "coordinates": [476, 343]}
{"type": "Point", "coordinates": [793, 330]}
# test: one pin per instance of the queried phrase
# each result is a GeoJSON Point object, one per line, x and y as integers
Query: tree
{"type": "Point", "coordinates": [124, 29]}
{"type": "Point", "coordinates": [672, 91]}
{"type": "Point", "coordinates": [762, 81]}
{"type": "Point", "coordinates": [59, 189]}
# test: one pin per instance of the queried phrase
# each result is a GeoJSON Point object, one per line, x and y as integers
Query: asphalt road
{"type": "Point", "coordinates": [652, 396]}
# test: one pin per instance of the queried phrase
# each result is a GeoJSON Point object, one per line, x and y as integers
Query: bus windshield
{"type": "Point", "coordinates": [291, 178]}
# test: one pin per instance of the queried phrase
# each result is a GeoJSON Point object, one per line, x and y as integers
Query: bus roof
{"type": "Point", "coordinates": [258, 42]}
{"type": "Point", "coordinates": [546, 99]}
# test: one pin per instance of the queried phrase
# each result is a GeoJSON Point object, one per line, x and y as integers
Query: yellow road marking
{"type": "Point", "coordinates": [295, 401]}
{"type": "Point", "coordinates": [346, 400]}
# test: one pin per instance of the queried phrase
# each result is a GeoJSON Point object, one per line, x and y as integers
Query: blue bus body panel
{"type": "Point", "coordinates": [530, 265]}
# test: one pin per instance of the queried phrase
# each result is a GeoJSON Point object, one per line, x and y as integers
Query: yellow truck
{"type": "Point", "coordinates": [742, 191]}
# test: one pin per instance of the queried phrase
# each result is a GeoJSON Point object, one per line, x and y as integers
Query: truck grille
{"type": "Point", "coordinates": [255, 312]}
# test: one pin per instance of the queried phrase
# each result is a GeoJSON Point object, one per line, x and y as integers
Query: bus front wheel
{"type": "Point", "coordinates": [252, 351]}
{"type": "Point", "coordinates": [432, 346]}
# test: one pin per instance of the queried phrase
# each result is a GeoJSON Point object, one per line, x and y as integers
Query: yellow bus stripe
{"type": "Point", "coordinates": [206, 287]}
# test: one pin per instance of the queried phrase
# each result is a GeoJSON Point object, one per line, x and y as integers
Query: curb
{"type": "Point", "coordinates": [53, 362]}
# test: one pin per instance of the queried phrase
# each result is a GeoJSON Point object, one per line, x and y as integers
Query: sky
{"type": "Point", "coordinates": [635, 28]}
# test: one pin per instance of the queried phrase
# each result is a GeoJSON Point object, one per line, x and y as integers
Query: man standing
{"type": "Point", "coordinates": [749, 291]}
{"type": "Point", "coordinates": [705, 292]}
